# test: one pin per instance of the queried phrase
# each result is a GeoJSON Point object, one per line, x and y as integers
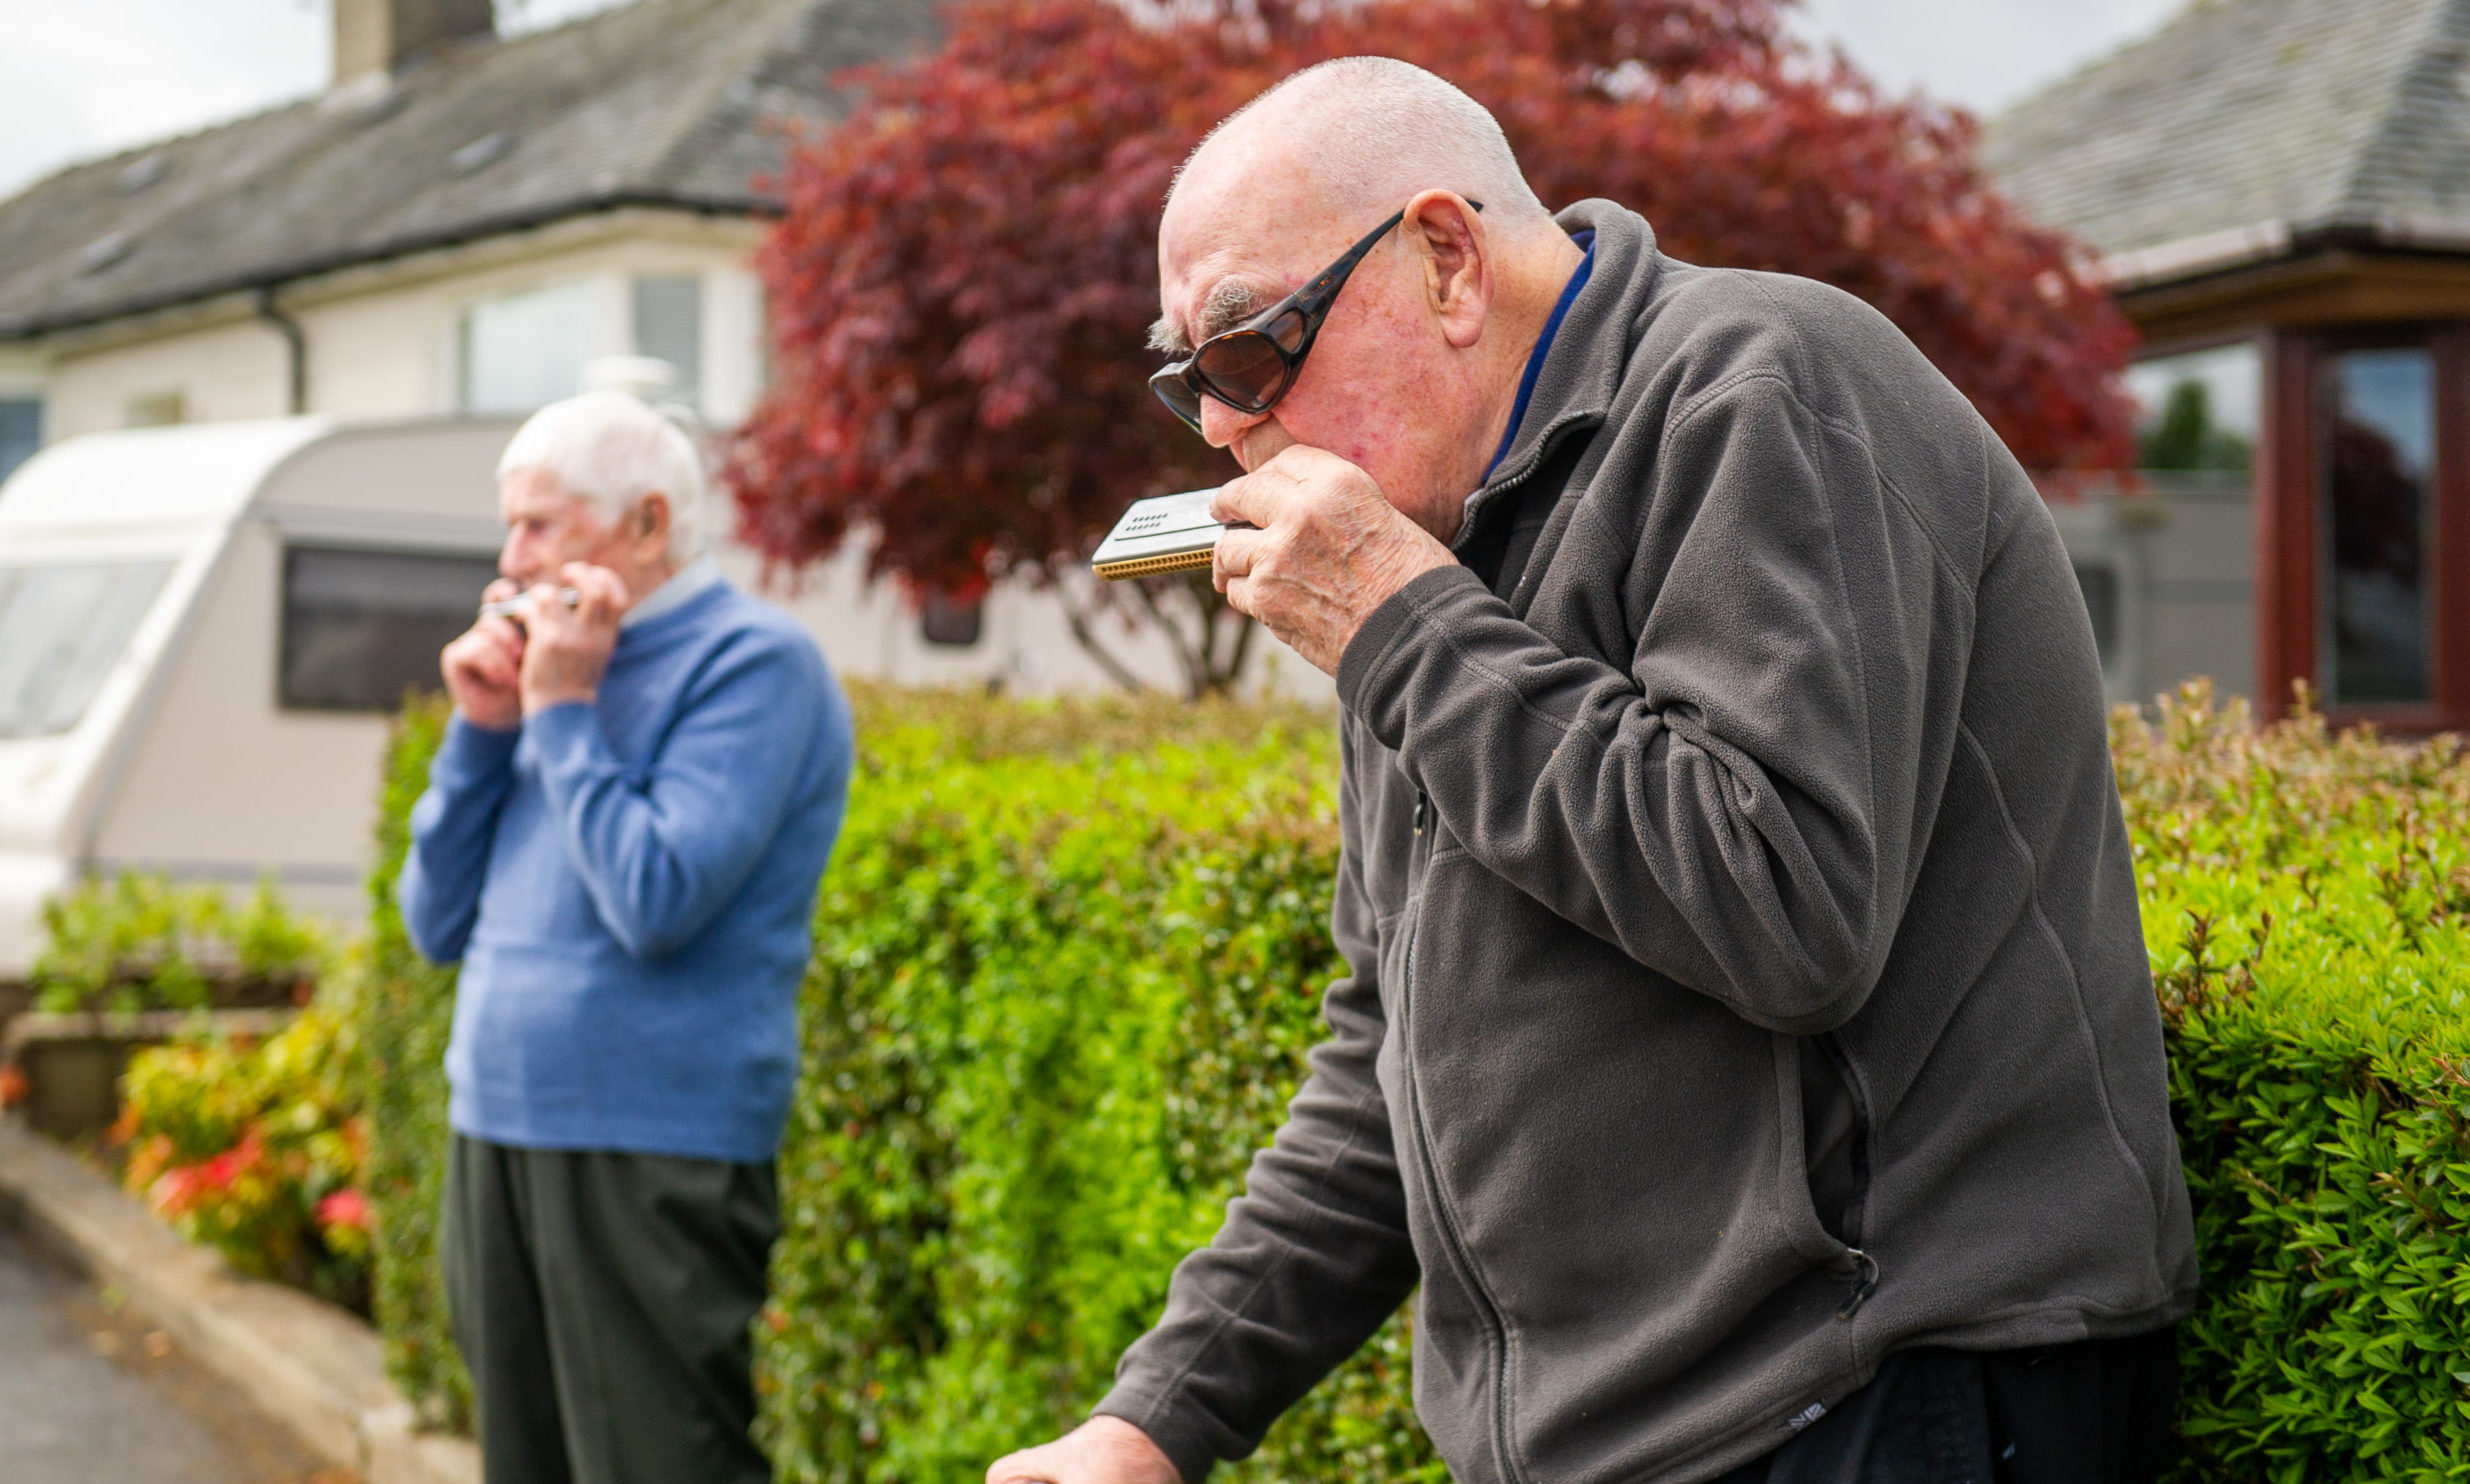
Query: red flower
{"type": "Point", "coordinates": [346, 1207]}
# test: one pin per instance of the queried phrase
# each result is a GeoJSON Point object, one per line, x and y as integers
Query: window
{"type": "Point", "coordinates": [2099, 583]}
{"type": "Point", "coordinates": [21, 431]}
{"type": "Point", "coordinates": [526, 350]}
{"type": "Point", "coordinates": [362, 627]}
{"type": "Point", "coordinates": [61, 627]}
{"type": "Point", "coordinates": [950, 621]}
{"type": "Point", "coordinates": [669, 327]}
{"type": "Point", "coordinates": [2375, 445]}
{"type": "Point", "coordinates": [2200, 410]}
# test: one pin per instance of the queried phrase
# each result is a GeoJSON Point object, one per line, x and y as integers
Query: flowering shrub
{"type": "Point", "coordinates": [258, 1150]}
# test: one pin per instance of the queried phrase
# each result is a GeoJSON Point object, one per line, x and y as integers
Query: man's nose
{"type": "Point", "coordinates": [1223, 425]}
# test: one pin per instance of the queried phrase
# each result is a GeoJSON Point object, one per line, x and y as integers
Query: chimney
{"type": "Point", "coordinates": [378, 36]}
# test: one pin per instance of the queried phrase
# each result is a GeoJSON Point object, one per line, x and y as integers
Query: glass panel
{"type": "Point", "coordinates": [362, 627]}
{"type": "Point", "coordinates": [669, 326]}
{"type": "Point", "coordinates": [2375, 438]}
{"type": "Point", "coordinates": [2199, 410]}
{"type": "Point", "coordinates": [524, 351]}
{"type": "Point", "coordinates": [21, 431]}
{"type": "Point", "coordinates": [60, 630]}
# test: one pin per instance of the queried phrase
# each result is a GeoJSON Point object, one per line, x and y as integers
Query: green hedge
{"type": "Point", "coordinates": [1068, 964]}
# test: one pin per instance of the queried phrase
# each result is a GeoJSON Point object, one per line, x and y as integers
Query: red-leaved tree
{"type": "Point", "coordinates": [964, 276]}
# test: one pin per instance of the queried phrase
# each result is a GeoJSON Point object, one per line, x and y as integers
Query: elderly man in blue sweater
{"type": "Point", "coordinates": [620, 842]}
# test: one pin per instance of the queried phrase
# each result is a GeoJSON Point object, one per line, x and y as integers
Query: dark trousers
{"type": "Point", "coordinates": [602, 1302]}
{"type": "Point", "coordinates": [2094, 1412]}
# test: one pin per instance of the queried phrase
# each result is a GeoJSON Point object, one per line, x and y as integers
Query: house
{"type": "Point", "coordinates": [2280, 192]}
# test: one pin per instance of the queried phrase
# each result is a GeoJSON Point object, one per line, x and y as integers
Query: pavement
{"type": "Point", "coordinates": [88, 1395]}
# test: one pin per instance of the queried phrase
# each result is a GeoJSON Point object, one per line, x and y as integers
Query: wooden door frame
{"type": "Point", "coordinates": [2289, 528]}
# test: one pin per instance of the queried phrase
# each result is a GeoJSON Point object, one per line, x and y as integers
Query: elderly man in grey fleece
{"type": "Point", "coordinates": [1748, 1041]}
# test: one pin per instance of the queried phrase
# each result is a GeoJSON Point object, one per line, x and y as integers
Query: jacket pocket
{"type": "Point", "coordinates": [1815, 1091]}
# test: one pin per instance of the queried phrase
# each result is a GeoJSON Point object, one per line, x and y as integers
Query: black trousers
{"type": "Point", "coordinates": [602, 1301]}
{"type": "Point", "coordinates": [2094, 1412]}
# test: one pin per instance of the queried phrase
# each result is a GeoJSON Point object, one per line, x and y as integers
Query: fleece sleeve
{"type": "Point", "coordinates": [663, 847]}
{"type": "Point", "coordinates": [453, 826]}
{"type": "Point", "coordinates": [1733, 809]}
{"type": "Point", "coordinates": [1312, 1258]}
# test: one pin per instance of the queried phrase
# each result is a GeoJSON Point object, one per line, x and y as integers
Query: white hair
{"type": "Point", "coordinates": [610, 449]}
{"type": "Point", "coordinates": [1376, 128]}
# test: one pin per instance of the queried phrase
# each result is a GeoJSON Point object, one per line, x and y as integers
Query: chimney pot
{"type": "Point", "coordinates": [381, 35]}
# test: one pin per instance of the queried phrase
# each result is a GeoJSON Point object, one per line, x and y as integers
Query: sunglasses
{"type": "Point", "coordinates": [1254, 364]}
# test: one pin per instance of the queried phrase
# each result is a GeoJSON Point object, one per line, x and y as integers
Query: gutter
{"type": "Point", "coordinates": [261, 281]}
{"type": "Point", "coordinates": [2242, 247]}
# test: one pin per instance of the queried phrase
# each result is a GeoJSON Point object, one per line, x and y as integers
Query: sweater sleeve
{"type": "Point", "coordinates": [453, 826]}
{"type": "Point", "coordinates": [663, 847]}
{"type": "Point", "coordinates": [1716, 809]}
{"type": "Point", "coordinates": [1313, 1256]}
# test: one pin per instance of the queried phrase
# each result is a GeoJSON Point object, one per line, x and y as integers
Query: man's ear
{"type": "Point", "coordinates": [652, 518]}
{"type": "Point", "coordinates": [1457, 259]}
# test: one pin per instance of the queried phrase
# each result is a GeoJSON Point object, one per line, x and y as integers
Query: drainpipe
{"type": "Point", "coordinates": [296, 343]}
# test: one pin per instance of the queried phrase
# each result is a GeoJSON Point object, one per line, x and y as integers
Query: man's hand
{"type": "Point", "coordinates": [567, 649]}
{"type": "Point", "coordinates": [1103, 1450]}
{"type": "Point", "coordinates": [482, 668]}
{"type": "Point", "coordinates": [1330, 549]}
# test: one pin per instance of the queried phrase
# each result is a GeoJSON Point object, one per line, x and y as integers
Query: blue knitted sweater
{"type": "Point", "coordinates": [629, 886]}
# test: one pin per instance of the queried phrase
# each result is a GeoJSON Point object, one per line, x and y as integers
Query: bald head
{"type": "Point", "coordinates": [1345, 141]}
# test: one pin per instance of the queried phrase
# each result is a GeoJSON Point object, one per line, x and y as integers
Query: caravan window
{"type": "Point", "coordinates": [60, 629]}
{"type": "Point", "coordinates": [362, 627]}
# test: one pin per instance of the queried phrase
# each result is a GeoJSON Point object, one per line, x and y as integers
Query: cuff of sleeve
{"type": "Point", "coordinates": [562, 735]}
{"type": "Point", "coordinates": [1180, 1431]}
{"type": "Point", "coordinates": [471, 751]}
{"type": "Point", "coordinates": [1377, 660]}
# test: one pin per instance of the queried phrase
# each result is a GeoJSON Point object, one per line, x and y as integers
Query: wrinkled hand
{"type": "Point", "coordinates": [1330, 549]}
{"type": "Point", "coordinates": [566, 650]}
{"type": "Point", "coordinates": [1103, 1450]}
{"type": "Point", "coordinates": [483, 666]}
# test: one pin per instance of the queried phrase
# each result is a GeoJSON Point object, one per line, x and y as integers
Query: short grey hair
{"type": "Point", "coordinates": [610, 449]}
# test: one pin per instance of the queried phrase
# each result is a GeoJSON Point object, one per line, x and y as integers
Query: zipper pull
{"type": "Point", "coordinates": [1423, 809]}
{"type": "Point", "coordinates": [1865, 1283]}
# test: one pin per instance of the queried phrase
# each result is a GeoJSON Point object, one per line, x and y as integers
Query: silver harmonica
{"type": "Point", "coordinates": [1171, 533]}
{"type": "Point", "coordinates": [514, 607]}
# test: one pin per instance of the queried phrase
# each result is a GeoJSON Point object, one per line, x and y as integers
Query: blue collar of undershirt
{"type": "Point", "coordinates": [1543, 343]}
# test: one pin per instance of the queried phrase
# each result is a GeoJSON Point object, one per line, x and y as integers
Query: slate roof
{"type": "Point", "coordinates": [2245, 126]}
{"type": "Point", "coordinates": [662, 102]}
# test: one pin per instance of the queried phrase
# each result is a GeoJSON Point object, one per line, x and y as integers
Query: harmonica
{"type": "Point", "coordinates": [515, 606]}
{"type": "Point", "coordinates": [1170, 533]}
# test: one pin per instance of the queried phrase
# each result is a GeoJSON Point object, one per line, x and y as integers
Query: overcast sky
{"type": "Point", "coordinates": [81, 78]}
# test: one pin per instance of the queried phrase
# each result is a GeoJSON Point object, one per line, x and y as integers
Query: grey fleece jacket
{"type": "Point", "coordinates": [1746, 978]}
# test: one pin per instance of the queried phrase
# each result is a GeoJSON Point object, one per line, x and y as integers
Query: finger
{"type": "Point", "coordinates": [1236, 553]}
{"type": "Point", "coordinates": [600, 593]}
{"type": "Point", "coordinates": [1248, 501]}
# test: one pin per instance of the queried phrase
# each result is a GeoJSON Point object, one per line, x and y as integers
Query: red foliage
{"type": "Point", "coordinates": [966, 270]}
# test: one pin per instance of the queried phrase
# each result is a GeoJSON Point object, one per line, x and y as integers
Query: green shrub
{"type": "Point", "coordinates": [405, 1012]}
{"type": "Point", "coordinates": [2306, 897]}
{"type": "Point", "coordinates": [140, 942]}
{"type": "Point", "coordinates": [1068, 959]}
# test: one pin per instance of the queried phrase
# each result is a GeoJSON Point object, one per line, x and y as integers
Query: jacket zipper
{"type": "Point", "coordinates": [1865, 1267]}
{"type": "Point", "coordinates": [1440, 1201]}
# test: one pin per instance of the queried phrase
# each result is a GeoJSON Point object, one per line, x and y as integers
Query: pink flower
{"type": "Point", "coordinates": [346, 1207]}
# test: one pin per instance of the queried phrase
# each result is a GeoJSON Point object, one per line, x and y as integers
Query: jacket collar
{"type": "Point", "coordinates": [1589, 355]}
